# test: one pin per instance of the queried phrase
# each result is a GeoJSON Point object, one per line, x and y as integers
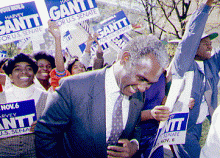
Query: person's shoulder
{"type": "Point", "coordinates": [215, 54]}
{"type": "Point", "coordinates": [84, 75]}
{"type": "Point", "coordinates": [39, 90]}
{"type": "Point", "coordinates": [217, 111]}
{"type": "Point", "coordinates": [217, 50]}
{"type": "Point", "coordinates": [2, 94]}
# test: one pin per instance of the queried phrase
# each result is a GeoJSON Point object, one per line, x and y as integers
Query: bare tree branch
{"type": "Point", "coordinates": [167, 18]}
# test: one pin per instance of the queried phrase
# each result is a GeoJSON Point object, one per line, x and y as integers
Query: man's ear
{"type": "Point", "coordinates": [125, 58]}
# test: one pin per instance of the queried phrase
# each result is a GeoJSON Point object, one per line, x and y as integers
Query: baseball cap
{"type": "Point", "coordinates": [211, 35]}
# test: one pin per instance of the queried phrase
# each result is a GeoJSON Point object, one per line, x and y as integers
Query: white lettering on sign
{"type": "Point", "coordinates": [17, 7]}
{"type": "Point", "coordinates": [7, 123]}
{"type": "Point", "coordinates": [9, 106]}
{"type": "Point", "coordinates": [12, 8]}
{"type": "Point", "coordinates": [171, 124]}
{"type": "Point", "coordinates": [14, 16]}
{"type": "Point", "coordinates": [119, 42]}
{"type": "Point", "coordinates": [108, 29]}
{"type": "Point", "coordinates": [17, 24]}
{"type": "Point", "coordinates": [69, 8]}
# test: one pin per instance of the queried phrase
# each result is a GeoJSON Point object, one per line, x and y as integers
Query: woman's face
{"type": "Point", "coordinates": [44, 68]}
{"type": "Point", "coordinates": [77, 68]}
{"type": "Point", "coordinates": [22, 75]}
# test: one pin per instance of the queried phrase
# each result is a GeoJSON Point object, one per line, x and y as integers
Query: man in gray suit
{"type": "Point", "coordinates": [77, 121]}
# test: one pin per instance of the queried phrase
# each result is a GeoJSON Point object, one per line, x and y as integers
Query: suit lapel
{"type": "Point", "coordinates": [135, 107]}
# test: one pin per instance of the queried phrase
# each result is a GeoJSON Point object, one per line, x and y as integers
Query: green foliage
{"type": "Point", "coordinates": [12, 50]}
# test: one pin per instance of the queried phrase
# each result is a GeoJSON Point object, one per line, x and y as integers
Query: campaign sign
{"type": "Point", "coordinates": [22, 43]}
{"type": "Point", "coordinates": [16, 118]}
{"type": "Point", "coordinates": [19, 21]}
{"type": "Point", "coordinates": [86, 25]}
{"type": "Point", "coordinates": [120, 41]}
{"type": "Point", "coordinates": [3, 54]}
{"type": "Point", "coordinates": [94, 47]}
{"type": "Point", "coordinates": [67, 39]}
{"type": "Point", "coordinates": [112, 27]}
{"type": "Point", "coordinates": [174, 130]}
{"type": "Point", "coordinates": [71, 11]}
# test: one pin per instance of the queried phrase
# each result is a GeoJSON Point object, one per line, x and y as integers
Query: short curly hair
{"type": "Point", "coordinates": [146, 44]}
{"type": "Point", "coordinates": [43, 55]}
{"type": "Point", "coordinates": [71, 63]}
{"type": "Point", "coordinates": [10, 63]}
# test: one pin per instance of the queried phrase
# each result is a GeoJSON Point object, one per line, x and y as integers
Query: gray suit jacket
{"type": "Point", "coordinates": [74, 123]}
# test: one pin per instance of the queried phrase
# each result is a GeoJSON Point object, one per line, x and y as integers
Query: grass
{"type": "Point", "coordinates": [205, 130]}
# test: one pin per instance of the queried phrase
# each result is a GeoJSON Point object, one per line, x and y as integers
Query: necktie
{"type": "Point", "coordinates": [117, 122]}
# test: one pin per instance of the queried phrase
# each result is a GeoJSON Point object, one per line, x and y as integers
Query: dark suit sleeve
{"type": "Point", "coordinates": [49, 130]}
{"type": "Point", "coordinates": [137, 130]}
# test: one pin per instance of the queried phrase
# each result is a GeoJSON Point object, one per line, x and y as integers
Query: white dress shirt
{"type": "Point", "coordinates": [112, 92]}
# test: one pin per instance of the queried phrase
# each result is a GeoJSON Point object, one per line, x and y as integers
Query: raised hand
{"type": "Point", "coordinates": [54, 29]}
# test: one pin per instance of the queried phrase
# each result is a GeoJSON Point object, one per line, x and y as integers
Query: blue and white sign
{"type": "Point", "coordinates": [173, 131]}
{"type": "Point", "coordinates": [94, 47]}
{"type": "Point", "coordinates": [22, 44]}
{"type": "Point", "coordinates": [71, 11]}
{"type": "Point", "coordinates": [66, 39]}
{"type": "Point", "coordinates": [121, 41]}
{"type": "Point", "coordinates": [19, 21]}
{"type": "Point", "coordinates": [3, 54]}
{"type": "Point", "coordinates": [16, 118]}
{"type": "Point", "coordinates": [86, 25]}
{"type": "Point", "coordinates": [112, 27]}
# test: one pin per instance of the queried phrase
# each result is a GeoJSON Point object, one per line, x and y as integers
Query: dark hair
{"type": "Point", "coordinates": [44, 55]}
{"type": "Point", "coordinates": [2, 61]}
{"type": "Point", "coordinates": [10, 64]}
{"type": "Point", "coordinates": [71, 63]}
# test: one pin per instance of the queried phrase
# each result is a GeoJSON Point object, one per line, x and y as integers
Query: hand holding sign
{"type": "Point", "coordinates": [191, 103]}
{"type": "Point", "coordinates": [17, 118]}
{"type": "Point", "coordinates": [160, 113]}
{"type": "Point", "coordinates": [33, 125]}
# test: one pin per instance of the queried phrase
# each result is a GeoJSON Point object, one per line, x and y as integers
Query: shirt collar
{"type": "Point", "coordinates": [111, 81]}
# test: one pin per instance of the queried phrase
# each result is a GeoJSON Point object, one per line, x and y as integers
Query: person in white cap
{"type": "Point", "coordinates": [195, 53]}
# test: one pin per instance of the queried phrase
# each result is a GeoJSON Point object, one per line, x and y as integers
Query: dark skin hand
{"type": "Point", "coordinates": [127, 150]}
{"type": "Point", "coordinates": [33, 126]}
